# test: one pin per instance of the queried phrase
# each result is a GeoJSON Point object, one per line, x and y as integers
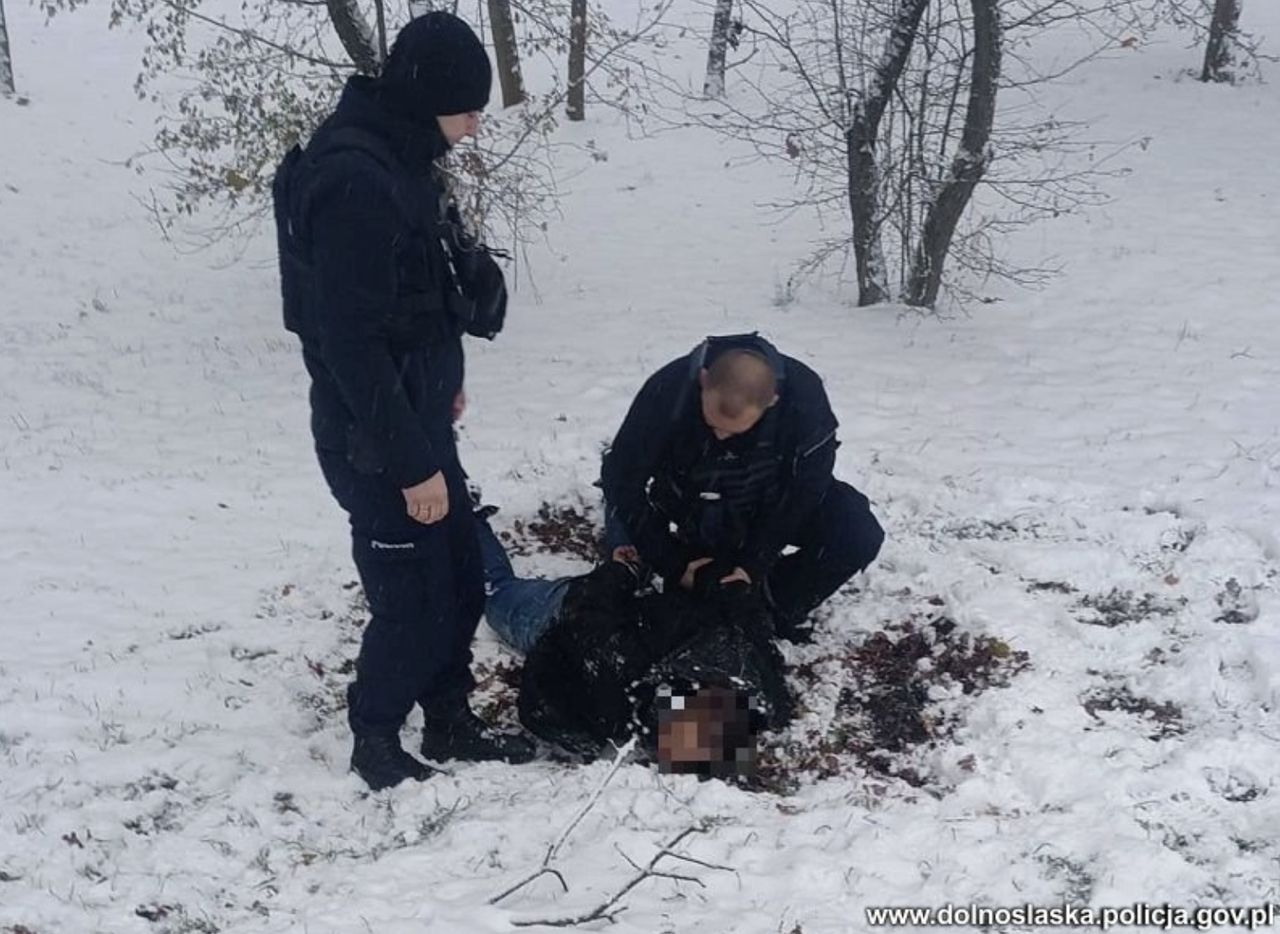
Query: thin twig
{"type": "Point", "coordinates": [624, 753]}
{"type": "Point", "coordinates": [254, 37]}
{"type": "Point", "coordinates": [553, 848]}
{"type": "Point", "coordinates": [657, 874]}
{"type": "Point", "coordinates": [703, 863]}
{"type": "Point", "coordinates": [610, 908]}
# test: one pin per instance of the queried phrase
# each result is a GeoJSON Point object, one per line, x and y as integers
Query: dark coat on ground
{"type": "Point", "coordinates": [741, 500]}
{"type": "Point", "coordinates": [592, 677]}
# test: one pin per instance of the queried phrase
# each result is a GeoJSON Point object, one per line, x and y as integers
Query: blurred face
{"type": "Point", "coordinates": [456, 127]}
{"type": "Point", "coordinates": [692, 732]}
{"type": "Point", "coordinates": [724, 426]}
{"type": "Point", "coordinates": [687, 737]}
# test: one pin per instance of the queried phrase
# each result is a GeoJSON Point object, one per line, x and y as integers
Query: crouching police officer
{"type": "Point", "coordinates": [379, 281]}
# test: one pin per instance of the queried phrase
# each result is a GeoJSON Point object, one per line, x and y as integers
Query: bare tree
{"type": "Point", "coordinates": [1231, 54]}
{"type": "Point", "coordinates": [614, 72]}
{"type": "Point", "coordinates": [885, 111]}
{"type": "Point", "coordinates": [380, 12]}
{"type": "Point", "coordinates": [255, 78]}
{"type": "Point", "coordinates": [1219, 50]}
{"type": "Point", "coordinates": [969, 164]}
{"type": "Point", "coordinates": [7, 86]}
{"type": "Point", "coordinates": [860, 152]}
{"type": "Point", "coordinates": [506, 50]}
{"type": "Point", "coordinates": [576, 108]}
{"type": "Point", "coordinates": [718, 50]}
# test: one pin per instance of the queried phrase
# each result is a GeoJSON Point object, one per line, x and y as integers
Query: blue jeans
{"type": "Point", "coordinates": [518, 609]}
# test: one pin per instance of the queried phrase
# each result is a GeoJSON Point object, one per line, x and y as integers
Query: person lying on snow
{"type": "Point", "coordinates": [696, 678]}
{"type": "Point", "coordinates": [725, 459]}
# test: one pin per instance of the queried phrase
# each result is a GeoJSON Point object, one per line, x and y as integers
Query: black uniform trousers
{"type": "Point", "coordinates": [840, 538]}
{"type": "Point", "coordinates": [425, 588]}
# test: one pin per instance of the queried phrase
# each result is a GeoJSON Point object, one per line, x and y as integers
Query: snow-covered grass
{"type": "Point", "coordinates": [1088, 474]}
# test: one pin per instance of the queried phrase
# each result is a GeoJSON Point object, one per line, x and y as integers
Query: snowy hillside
{"type": "Point", "coordinates": [1081, 488]}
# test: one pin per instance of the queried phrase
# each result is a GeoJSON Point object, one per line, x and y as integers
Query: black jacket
{"type": "Point", "coordinates": [368, 287]}
{"type": "Point", "coordinates": [593, 676]}
{"type": "Point", "coordinates": [741, 500]}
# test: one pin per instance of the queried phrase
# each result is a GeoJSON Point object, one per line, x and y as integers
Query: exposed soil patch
{"type": "Point", "coordinates": [886, 706]}
{"type": "Point", "coordinates": [1124, 608]}
{"type": "Point", "coordinates": [562, 529]}
{"type": "Point", "coordinates": [1164, 719]}
{"type": "Point", "coordinates": [1002, 530]}
{"type": "Point", "coordinates": [174, 919]}
{"type": "Point", "coordinates": [496, 691]}
{"type": "Point", "coordinates": [1238, 605]}
{"type": "Point", "coordinates": [1034, 586]}
{"type": "Point", "coordinates": [1235, 789]}
{"type": "Point", "coordinates": [163, 819]}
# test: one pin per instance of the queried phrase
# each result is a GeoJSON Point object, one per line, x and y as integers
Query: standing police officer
{"type": "Point", "coordinates": [380, 281]}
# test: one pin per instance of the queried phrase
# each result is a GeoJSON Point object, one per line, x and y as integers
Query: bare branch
{"type": "Point", "coordinates": [254, 37]}
{"type": "Point", "coordinates": [559, 98]}
{"type": "Point", "coordinates": [553, 849]}
{"type": "Point", "coordinates": [610, 907]}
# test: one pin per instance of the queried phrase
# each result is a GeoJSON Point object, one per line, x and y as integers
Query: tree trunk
{"type": "Point", "coordinates": [576, 106]}
{"type": "Point", "coordinates": [7, 87]}
{"type": "Point", "coordinates": [860, 149]}
{"type": "Point", "coordinates": [969, 164]}
{"type": "Point", "coordinates": [507, 52]}
{"type": "Point", "coordinates": [1218, 57]}
{"type": "Point", "coordinates": [713, 86]}
{"type": "Point", "coordinates": [380, 8]}
{"type": "Point", "coordinates": [355, 35]}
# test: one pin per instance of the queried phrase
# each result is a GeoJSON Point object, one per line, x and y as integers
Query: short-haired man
{"type": "Point", "coordinates": [724, 460]}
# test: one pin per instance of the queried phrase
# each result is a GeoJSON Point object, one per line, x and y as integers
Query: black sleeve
{"type": "Point", "coordinates": [631, 461]}
{"type": "Point", "coordinates": [808, 480]}
{"type": "Point", "coordinates": [354, 229]}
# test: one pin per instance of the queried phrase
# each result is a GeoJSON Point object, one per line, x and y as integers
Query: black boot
{"type": "Point", "coordinates": [452, 731]}
{"type": "Point", "coordinates": [793, 627]}
{"type": "Point", "coordinates": [381, 762]}
{"type": "Point", "coordinates": [789, 622]}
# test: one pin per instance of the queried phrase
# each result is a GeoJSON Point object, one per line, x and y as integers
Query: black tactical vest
{"type": "Point", "coordinates": [714, 490]}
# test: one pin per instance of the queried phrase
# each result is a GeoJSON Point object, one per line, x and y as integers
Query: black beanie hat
{"type": "Point", "coordinates": [437, 66]}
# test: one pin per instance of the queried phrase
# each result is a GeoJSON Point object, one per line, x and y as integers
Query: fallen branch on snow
{"type": "Point", "coordinates": [610, 908]}
{"type": "Point", "coordinates": [553, 848]}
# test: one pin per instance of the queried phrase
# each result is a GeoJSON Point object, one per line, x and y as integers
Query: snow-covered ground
{"type": "Point", "coordinates": [1089, 474]}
